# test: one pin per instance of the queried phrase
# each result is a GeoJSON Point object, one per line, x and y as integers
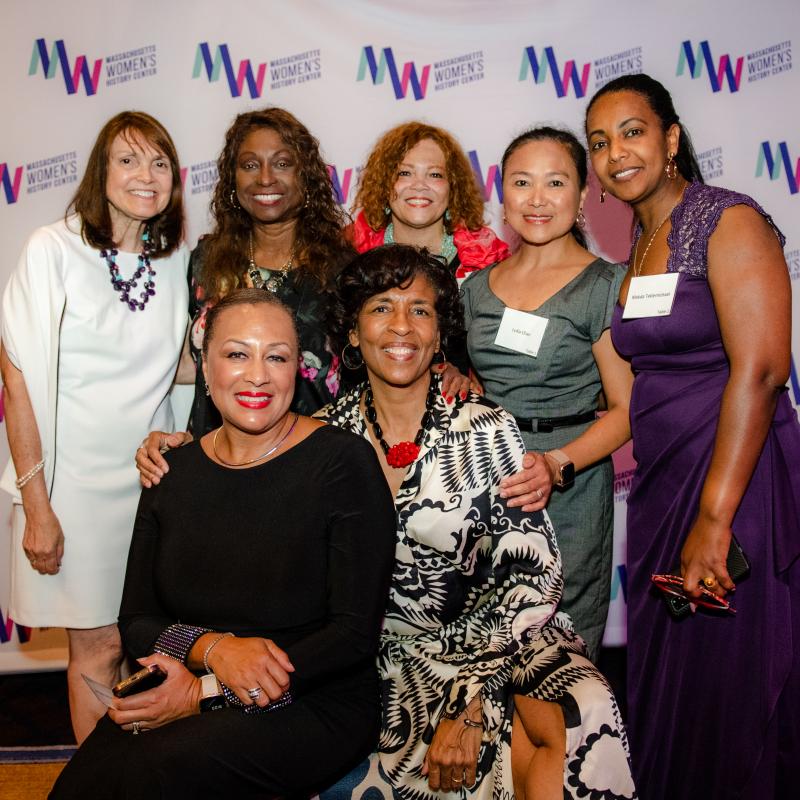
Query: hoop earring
{"type": "Point", "coordinates": [580, 219]}
{"type": "Point", "coordinates": [602, 194]}
{"type": "Point", "coordinates": [672, 168]}
{"type": "Point", "coordinates": [352, 360]}
{"type": "Point", "coordinates": [234, 201]}
{"type": "Point", "coordinates": [208, 391]}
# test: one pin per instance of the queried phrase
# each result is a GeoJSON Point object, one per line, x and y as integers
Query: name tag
{"type": "Point", "coordinates": [521, 331]}
{"type": "Point", "coordinates": [651, 296]}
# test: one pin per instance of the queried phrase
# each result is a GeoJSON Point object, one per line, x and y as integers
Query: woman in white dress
{"type": "Point", "coordinates": [93, 320]}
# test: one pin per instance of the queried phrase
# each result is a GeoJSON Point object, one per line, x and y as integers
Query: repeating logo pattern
{"type": "Point", "coordinates": [493, 180]}
{"type": "Point", "coordinates": [378, 67]}
{"type": "Point", "coordinates": [344, 183]}
{"type": "Point", "coordinates": [717, 73]}
{"type": "Point", "coordinates": [7, 629]}
{"type": "Point", "coordinates": [246, 74]}
{"type": "Point", "coordinates": [777, 161]}
{"type": "Point", "coordinates": [539, 67]}
{"type": "Point", "coordinates": [73, 75]}
{"type": "Point", "coordinates": [11, 182]}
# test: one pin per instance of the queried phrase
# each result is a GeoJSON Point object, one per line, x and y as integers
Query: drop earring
{"type": "Point", "coordinates": [602, 194]}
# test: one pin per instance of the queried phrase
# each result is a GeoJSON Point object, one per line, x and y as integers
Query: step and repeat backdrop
{"type": "Point", "coordinates": [484, 69]}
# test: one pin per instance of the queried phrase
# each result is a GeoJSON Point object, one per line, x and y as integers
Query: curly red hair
{"type": "Point", "coordinates": [380, 173]}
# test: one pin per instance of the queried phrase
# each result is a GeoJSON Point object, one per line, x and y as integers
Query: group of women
{"type": "Point", "coordinates": [263, 549]}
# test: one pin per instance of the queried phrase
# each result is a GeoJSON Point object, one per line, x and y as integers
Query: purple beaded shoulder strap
{"type": "Point", "coordinates": [694, 220]}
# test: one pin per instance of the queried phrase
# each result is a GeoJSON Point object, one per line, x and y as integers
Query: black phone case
{"type": "Point", "coordinates": [737, 565]}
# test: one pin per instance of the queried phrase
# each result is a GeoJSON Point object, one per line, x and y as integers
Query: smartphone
{"type": "Point", "coordinates": [144, 679]}
{"type": "Point", "coordinates": [738, 567]}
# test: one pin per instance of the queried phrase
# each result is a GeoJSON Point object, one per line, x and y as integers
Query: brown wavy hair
{"type": "Point", "coordinates": [380, 173]}
{"type": "Point", "coordinates": [321, 247]}
{"type": "Point", "coordinates": [91, 203]}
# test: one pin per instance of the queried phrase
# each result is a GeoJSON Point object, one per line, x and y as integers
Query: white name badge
{"type": "Point", "coordinates": [521, 331]}
{"type": "Point", "coordinates": [651, 296]}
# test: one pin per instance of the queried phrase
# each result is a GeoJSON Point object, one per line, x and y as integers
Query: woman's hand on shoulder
{"type": "Point", "coordinates": [178, 696]}
{"type": "Point", "coordinates": [452, 758]}
{"type": "Point", "coordinates": [149, 459]}
{"type": "Point", "coordinates": [453, 382]}
{"type": "Point", "coordinates": [531, 486]}
{"type": "Point", "coordinates": [247, 663]}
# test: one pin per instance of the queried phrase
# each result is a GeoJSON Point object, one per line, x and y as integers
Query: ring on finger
{"type": "Point", "coordinates": [254, 692]}
{"type": "Point", "coordinates": [709, 581]}
{"type": "Point", "coordinates": [540, 493]}
{"type": "Point", "coordinates": [137, 726]}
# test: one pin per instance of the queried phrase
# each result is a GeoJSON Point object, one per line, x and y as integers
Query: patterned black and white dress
{"type": "Point", "coordinates": [472, 611]}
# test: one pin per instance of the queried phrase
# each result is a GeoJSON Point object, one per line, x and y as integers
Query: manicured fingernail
{"type": "Point", "coordinates": [450, 398]}
{"type": "Point", "coordinates": [463, 395]}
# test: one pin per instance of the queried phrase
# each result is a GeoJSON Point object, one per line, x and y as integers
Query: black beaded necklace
{"type": "Point", "coordinates": [403, 453]}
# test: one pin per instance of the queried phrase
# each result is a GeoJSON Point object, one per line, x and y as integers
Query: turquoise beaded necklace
{"type": "Point", "coordinates": [447, 251]}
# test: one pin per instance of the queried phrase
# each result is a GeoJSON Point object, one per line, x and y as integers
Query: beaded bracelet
{"type": "Point", "coordinates": [20, 482]}
{"type": "Point", "coordinates": [177, 640]}
{"type": "Point", "coordinates": [211, 647]}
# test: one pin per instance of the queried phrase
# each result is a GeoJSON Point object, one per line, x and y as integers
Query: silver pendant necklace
{"type": "Point", "coordinates": [275, 281]}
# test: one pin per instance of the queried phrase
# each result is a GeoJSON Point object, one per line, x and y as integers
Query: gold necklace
{"type": "Point", "coordinates": [638, 272]}
{"type": "Point", "coordinates": [252, 460]}
{"type": "Point", "coordinates": [275, 281]}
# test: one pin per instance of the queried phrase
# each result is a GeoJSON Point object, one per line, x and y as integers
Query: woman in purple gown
{"type": "Point", "coordinates": [713, 697]}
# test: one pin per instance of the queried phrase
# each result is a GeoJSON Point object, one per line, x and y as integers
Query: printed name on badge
{"type": "Point", "coordinates": [651, 296]}
{"type": "Point", "coordinates": [521, 331]}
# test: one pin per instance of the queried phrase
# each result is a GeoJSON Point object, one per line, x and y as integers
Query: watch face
{"type": "Point", "coordinates": [567, 474]}
{"type": "Point", "coordinates": [213, 703]}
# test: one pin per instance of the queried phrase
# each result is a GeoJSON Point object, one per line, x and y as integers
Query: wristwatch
{"type": "Point", "coordinates": [565, 469]}
{"type": "Point", "coordinates": [211, 697]}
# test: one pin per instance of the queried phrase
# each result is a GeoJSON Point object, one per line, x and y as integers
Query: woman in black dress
{"type": "Point", "coordinates": [262, 558]}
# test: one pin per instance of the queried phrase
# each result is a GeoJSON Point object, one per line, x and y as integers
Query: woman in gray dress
{"type": "Point", "coordinates": [538, 340]}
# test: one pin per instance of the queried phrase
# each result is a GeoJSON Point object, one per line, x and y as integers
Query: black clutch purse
{"type": "Point", "coordinates": [671, 585]}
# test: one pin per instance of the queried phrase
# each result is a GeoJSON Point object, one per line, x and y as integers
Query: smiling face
{"type": "Point", "coordinates": [267, 181]}
{"type": "Point", "coordinates": [138, 182]}
{"type": "Point", "coordinates": [628, 147]}
{"type": "Point", "coordinates": [398, 333]}
{"type": "Point", "coordinates": [541, 191]}
{"type": "Point", "coordinates": [421, 191]}
{"type": "Point", "coordinates": [250, 366]}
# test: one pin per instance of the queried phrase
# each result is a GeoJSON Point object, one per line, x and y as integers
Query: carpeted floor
{"type": "Point", "coordinates": [27, 781]}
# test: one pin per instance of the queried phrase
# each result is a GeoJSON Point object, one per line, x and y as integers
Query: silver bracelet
{"type": "Point", "coordinates": [211, 647]}
{"type": "Point", "coordinates": [20, 482]}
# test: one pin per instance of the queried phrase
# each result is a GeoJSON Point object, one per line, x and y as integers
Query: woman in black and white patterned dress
{"type": "Point", "coordinates": [485, 687]}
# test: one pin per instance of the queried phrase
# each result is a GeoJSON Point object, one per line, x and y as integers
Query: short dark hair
{"type": "Point", "coordinates": [577, 152]}
{"type": "Point", "coordinates": [660, 102]}
{"type": "Point", "coordinates": [90, 201]}
{"type": "Point", "coordinates": [388, 267]}
{"type": "Point", "coordinates": [243, 297]}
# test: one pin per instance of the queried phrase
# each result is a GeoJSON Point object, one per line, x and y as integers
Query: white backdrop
{"type": "Point", "coordinates": [484, 69]}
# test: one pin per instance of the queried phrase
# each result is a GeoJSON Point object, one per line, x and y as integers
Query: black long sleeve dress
{"type": "Point", "coordinates": [298, 550]}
